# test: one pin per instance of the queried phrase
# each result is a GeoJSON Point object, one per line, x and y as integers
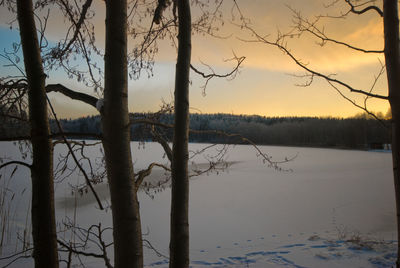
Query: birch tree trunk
{"type": "Point", "coordinates": [179, 243]}
{"type": "Point", "coordinates": [392, 59]}
{"type": "Point", "coordinates": [115, 122]}
{"type": "Point", "coordinates": [43, 215]}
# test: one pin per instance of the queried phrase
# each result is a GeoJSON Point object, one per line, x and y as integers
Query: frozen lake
{"type": "Point", "coordinates": [335, 208]}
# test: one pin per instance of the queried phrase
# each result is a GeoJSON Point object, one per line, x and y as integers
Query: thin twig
{"type": "Point", "coordinates": [16, 163]}
{"type": "Point", "coordinates": [266, 158]}
{"type": "Point", "coordinates": [74, 157]}
{"type": "Point", "coordinates": [16, 254]}
{"type": "Point", "coordinates": [279, 44]}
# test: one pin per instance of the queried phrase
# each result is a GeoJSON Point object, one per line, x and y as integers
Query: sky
{"type": "Point", "coordinates": [266, 84]}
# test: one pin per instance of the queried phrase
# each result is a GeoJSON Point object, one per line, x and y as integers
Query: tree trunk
{"type": "Point", "coordinates": [392, 59]}
{"type": "Point", "coordinates": [115, 121]}
{"type": "Point", "coordinates": [179, 244]}
{"type": "Point", "coordinates": [43, 216]}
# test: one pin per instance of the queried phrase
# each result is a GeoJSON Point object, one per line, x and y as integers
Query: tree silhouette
{"type": "Point", "coordinates": [389, 14]}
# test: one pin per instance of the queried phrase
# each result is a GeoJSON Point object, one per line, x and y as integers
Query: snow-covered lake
{"type": "Point", "coordinates": [335, 208]}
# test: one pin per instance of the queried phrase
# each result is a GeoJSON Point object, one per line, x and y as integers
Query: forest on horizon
{"type": "Point", "coordinates": [358, 132]}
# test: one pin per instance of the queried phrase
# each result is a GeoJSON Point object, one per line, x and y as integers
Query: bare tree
{"type": "Point", "coordinates": [115, 123]}
{"type": "Point", "coordinates": [127, 241]}
{"type": "Point", "coordinates": [179, 240]}
{"type": "Point", "coordinates": [115, 117]}
{"type": "Point", "coordinates": [389, 13]}
{"type": "Point", "coordinates": [123, 181]}
{"type": "Point", "coordinates": [13, 91]}
{"type": "Point", "coordinates": [43, 214]}
{"type": "Point", "coordinates": [392, 59]}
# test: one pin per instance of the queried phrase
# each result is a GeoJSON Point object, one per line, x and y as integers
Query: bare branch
{"type": "Point", "coordinates": [231, 75]}
{"type": "Point", "coordinates": [77, 135]}
{"type": "Point", "coordinates": [84, 238]}
{"type": "Point", "coordinates": [150, 122]}
{"type": "Point", "coordinates": [15, 163]}
{"type": "Point", "coordinates": [81, 43]}
{"type": "Point", "coordinates": [82, 144]}
{"type": "Point", "coordinates": [364, 10]}
{"type": "Point", "coordinates": [78, 24]}
{"type": "Point", "coordinates": [16, 259]}
{"type": "Point", "coordinates": [162, 142]}
{"type": "Point", "coordinates": [266, 158]}
{"type": "Point", "coordinates": [155, 117]}
{"type": "Point", "coordinates": [148, 245]}
{"type": "Point", "coordinates": [72, 94]}
{"type": "Point", "coordinates": [74, 157]}
{"type": "Point", "coordinates": [84, 253]}
{"type": "Point", "coordinates": [161, 6]}
{"type": "Point", "coordinates": [16, 254]}
{"type": "Point", "coordinates": [12, 62]}
{"type": "Point", "coordinates": [279, 43]}
{"type": "Point", "coordinates": [304, 25]}
{"type": "Point", "coordinates": [364, 108]}
{"type": "Point", "coordinates": [215, 162]}
{"type": "Point", "coordinates": [141, 175]}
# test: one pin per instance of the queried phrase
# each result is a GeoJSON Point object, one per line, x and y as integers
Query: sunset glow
{"type": "Point", "coordinates": [265, 84]}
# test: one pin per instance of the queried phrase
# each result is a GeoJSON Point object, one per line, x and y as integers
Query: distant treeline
{"type": "Point", "coordinates": [358, 132]}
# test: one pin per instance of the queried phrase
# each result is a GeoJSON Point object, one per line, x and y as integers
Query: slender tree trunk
{"type": "Point", "coordinates": [179, 244]}
{"type": "Point", "coordinates": [392, 59]}
{"type": "Point", "coordinates": [43, 218]}
{"type": "Point", "coordinates": [115, 122]}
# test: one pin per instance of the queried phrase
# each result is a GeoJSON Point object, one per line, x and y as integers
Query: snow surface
{"type": "Point", "coordinates": [331, 208]}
